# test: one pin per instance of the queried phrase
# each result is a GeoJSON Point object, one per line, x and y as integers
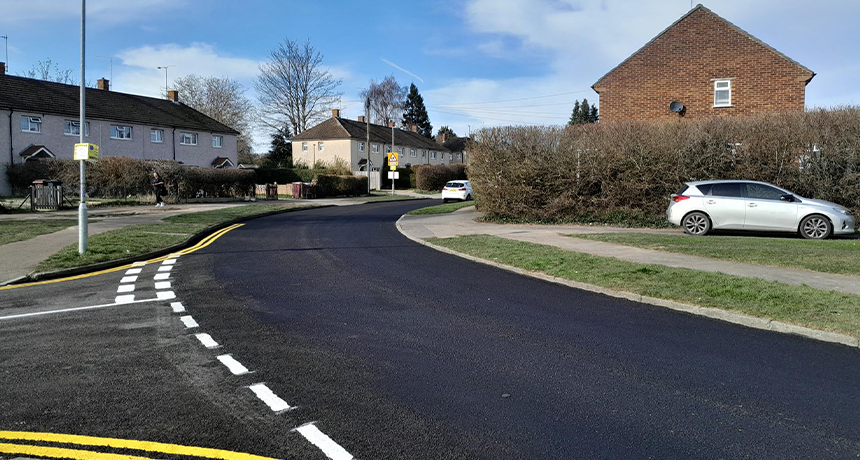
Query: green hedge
{"type": "Point", "coordinates": [332, 186]}
{"type": "Point", "coordinates": [434, 177]}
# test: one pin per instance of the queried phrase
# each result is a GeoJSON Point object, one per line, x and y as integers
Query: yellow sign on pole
{"type": "Point", "coordinates": [392, 160]}
{"type": "Point", "coordinates": [89, 152]}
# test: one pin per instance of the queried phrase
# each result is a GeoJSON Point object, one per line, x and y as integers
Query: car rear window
{"type": "Point", "coordinates": [730, 189]}
{"type": "Point", "coordinates": [454, 184]}
{"type": "Point", "coordinates": [683, 189]}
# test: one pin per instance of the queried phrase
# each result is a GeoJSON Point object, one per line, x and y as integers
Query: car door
{"type": "Point", "coordinates": [765, 210]}
{"type": "Point", "coordinates": [726, 206]}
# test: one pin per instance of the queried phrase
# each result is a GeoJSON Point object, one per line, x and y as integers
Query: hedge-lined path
{"type": "Point", "coordinates": [463, 222]}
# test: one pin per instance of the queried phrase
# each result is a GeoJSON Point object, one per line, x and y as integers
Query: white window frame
{"type": "Point", "coordinates": [450, 156]}
{"type": "Point", "coordinates": [159, 138]}
{"type": "Point", "coordinates": [374, 148]}
{"type": "Point", "coordinates": [187, 138]}
{"type": "Point", "coordinates": [728, 88]}
{"type": "Point", "coordinates": [412, 153]}
{"type": "Point", "coordinates": [459, 156]}
{"type": "Point", "coordinates": [320, 146]}
{"type": "Point", "coordinates": [423, 154]}
{"type": "Point", "coordinates": [69, 126]}
{"type": "Point", "coordinates": [432, 155]}
{"type": "Point", "coordinates": [304, 146]}
{"type": "Point", "coordinates": [32, 122]}
{"type": "Point", "coordinates": [361, 146]}
{"type": "Point", "coordinates": [127, 132]}
{"type": "Point", "coordinates": [220, 143]}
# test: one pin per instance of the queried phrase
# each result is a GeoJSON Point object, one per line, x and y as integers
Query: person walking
{"type": "Point", "coordinates": [160, 189]}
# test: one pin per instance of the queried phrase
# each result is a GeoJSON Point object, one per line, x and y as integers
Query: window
{"type": "Point", "coordinates": [304, 146]}
{"type": "Point", "coordinates": [156, 136]}
{"type": "Point", "coordinates": [763, 192]}
{"type": "Point", "coordinates": [73, 128]}
{"type": "Point", "coordinates": [31, 124]}
{"type": "Point", "coordinates": [432, 155]}
{"type": "Point", "coordinates": [730, 189]}
{"type": "Point", "coordinates": [321, 147]}
{"type": "Point", "coordinates": [217, 141]}
{"type": "Point", "coordinates": [423, 154]}
{"type": "Point", "coordinates": [374, 148]}
{"type": "Point", "coordinates": [188, 138]}
{"type": "Point", "coordinates": [412, 153]}
{"type": "Point", "coordinates": [722, 93]}
{"type": "Point", "coordinates": [460, 156]}
{"type": "Point", "coordinates": [120, 132]}
{"type": "Point", "coordinates": [450, 156]}
{"type": "Point", "coordinates": [361, 146]}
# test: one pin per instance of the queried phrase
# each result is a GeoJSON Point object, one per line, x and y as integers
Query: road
{"type": "Point", "coordinates": [396, 351]}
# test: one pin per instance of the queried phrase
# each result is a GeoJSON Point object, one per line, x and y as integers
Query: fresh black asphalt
{"type": "Point", "coordinates": [397, 351]}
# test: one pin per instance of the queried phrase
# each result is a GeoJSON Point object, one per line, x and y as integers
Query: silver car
{"type": "Point", "coordinates": [700, 207]}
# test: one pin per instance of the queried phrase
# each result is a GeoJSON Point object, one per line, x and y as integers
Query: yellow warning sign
{"type": "Point", "coordinates": [392, 160]}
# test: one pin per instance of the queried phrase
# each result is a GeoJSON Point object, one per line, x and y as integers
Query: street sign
{"type": "Point", "coordinates": [393, 175]}
{"type": "Point", "coordinates": [392, 160]}
{"type": "Point", "coordinates": [88, 152]}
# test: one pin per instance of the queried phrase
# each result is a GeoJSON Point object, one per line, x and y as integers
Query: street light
{"type": "Point", "coordinates": [164, 68]}
{"type": "Point", "coordinates": [82, 207]}
{"type": "Point", "coordinates": [6, 37]}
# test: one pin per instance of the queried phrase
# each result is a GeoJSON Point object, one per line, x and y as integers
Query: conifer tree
{"type": "Point", "coordinates": [416, 114]}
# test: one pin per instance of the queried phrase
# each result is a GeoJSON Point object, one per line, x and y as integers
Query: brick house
{"type": "Point", "coordinates": [711, 66]}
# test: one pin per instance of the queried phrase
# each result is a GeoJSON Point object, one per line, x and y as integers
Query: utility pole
{"type": "Point", "coordinates": [367, 145]}
{"type": "Point", "coordinates": [82, 207]}
{"type": "Point", "coordinates": [6, 37]}
{"type": "Point", "coordinates": [164, 68]}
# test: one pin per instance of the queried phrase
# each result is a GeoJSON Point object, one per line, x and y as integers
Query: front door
{"type": "Point", "coordinates": [765, 211]}
{"type": "Point", "coordinates": [725, 204]}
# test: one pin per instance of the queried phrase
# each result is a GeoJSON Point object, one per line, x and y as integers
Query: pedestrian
{"type": "Point", "coordinates": [160, 189]}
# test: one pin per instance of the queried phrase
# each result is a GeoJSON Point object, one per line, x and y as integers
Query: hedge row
{"type": "Point", "coordinates": [434, 177]}
{"type": "Point", "coordinates": [332, 186]}
{"type": "Point", "coordinates": [630, 168]}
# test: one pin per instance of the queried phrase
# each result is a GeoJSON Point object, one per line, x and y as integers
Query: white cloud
{"type": "Point", "coordinates": [111, 11]}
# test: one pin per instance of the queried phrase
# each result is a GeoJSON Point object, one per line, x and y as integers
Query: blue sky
{"type": "Point", "coordinates": [476, 62]}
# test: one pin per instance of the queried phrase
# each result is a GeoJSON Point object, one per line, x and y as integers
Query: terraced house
{"type": "Point", "coordinates": [40, 119]}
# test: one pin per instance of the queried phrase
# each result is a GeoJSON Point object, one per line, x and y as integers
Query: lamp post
{"type": "Point", "coordinates": [164, 68]}
{"type": "Point", "coordinates": [6, 37]}
{"type": "Point", "coordinates": [82, 207]}
{"type": "Point", "coordinates": [393, 150]}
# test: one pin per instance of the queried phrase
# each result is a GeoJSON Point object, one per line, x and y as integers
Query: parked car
{"type": "Point", "coordinates": [457, 190]}
{"type": "Point", "coordinates": [700, 207]}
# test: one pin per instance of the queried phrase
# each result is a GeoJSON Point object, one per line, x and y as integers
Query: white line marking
{"type": "Point", "coordinates": [138, 264]}
{"type": "Point", "coordinates": [128, 279]}
{"type": "Point", "coordinates": [174, 255]}
{"type": "Point", "coordinates": [162, 285]}
{"type": "Point", "coordinates": [124, 298]}
{"type": "Point", "coordinates": [165, 295]}
{"type": "Point", "coordinates": [188, 321]}
{"type": "Point", "coordinates": [162, 276]}
{"type": "Point", "coordinates": [165, 268]}
{"type": "Point", "coordinates": [133, 271]}
{"type": "Point", "coordinates": [330, 448]}
{"type": "Point", "coordinates": [235, 366]}
{"type": "Point", "coordinates": [125, 288]}
{"type": "Point", "coordinates": [177, 307]}
{"type": "Point", "coordinates": [169, 262]}
{"type": "Point", "coordinates": [270, 398]}
{"type": "Point", "coordinates": [207, 340]}
{"type": "Point", "coordinates": [64, 310]}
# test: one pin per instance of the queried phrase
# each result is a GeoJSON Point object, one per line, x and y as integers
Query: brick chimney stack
{"type": "Point", "coordinates": [104, 84]}
{"type": "Point", "coordinates": [444, 137]}
{"type": "Point", "coordinates": [361, 119]}
{"type": "Point", "coordinates": [391, 124]}
{"type": "Point", "coordinates": [414, 128]}
{"type": "Point", "coordinates": [335, 113]}
{"type": "Point", "coordinates": [173, 95]}
{"type": "Point", "coordinates": [2, 68]}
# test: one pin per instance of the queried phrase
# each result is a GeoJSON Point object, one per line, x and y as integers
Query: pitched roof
{"type": "Point", "coordinates": [701, 7]}
{"type": "Point", "coordinates": [457, 144]}
{"type": "Point", "coordinates": [30, 95]}
{"type": "Point", "coordinates": [221, 161]}
{"type": "Point", "coordinates": [37, 151]}
{"type": "Point", "coordinates": [342, 128]}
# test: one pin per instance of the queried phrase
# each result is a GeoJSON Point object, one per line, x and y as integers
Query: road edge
{"type": "Point", "coordinates": [709, 312]}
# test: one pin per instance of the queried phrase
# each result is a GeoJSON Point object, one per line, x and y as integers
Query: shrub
{"type": "Point", "coordinates": [331, 186]}
{"type": "Point", "coordinates": [434, 177]}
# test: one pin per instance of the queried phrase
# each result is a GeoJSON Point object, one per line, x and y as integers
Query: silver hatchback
{"type": "Point", "coordinates": [700, 207]}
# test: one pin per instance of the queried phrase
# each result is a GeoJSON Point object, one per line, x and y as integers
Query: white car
{"type": "Point", "coordinates": [457, 190]}
{"type": "Point", "coordinates": [700, 207]}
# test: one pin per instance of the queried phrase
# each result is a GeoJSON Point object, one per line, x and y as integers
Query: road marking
{"type": "Point", "coordinates": [188, 321]}
{"type": "Point", "coordinates": [125, 288]}
{"type": "Point", "coordinates": [58, 452]}
{"type": "Point", "coordinates": [235, 366]}
{"type": "Point", "coordinates": [330, 448]}
{"type": "Point", "coordinates": [174, 255]}
{"type": "Point", "coordinates": [165, 295]}
{"type": "Point", "coordinates": [165, 268]}
{"type": "Point", "coordinates": [65, 310]}
{"type": "Point", "coordinates": [128, 279]}
{"type": "Point", "coordinates": [269, 397]}
{"type": "Point", "coordinates": [148, 446]}
{"type": "Point", "coordinates": [177, 307]}
{"type": "Point", "coordinates": [207, 340]}
{"type": "Point", "coordinates": [133, 271]}
{"type": "Point", "coordinates": [162, 285]}
{"type": "Point", "coordinates": [162, 276]}
{"type": "Point", "coordinates": [202, 244]}
{"type": "Point", "coordinates": [120, 299]}
{"type": "Point", "coordinates": [169, 262]}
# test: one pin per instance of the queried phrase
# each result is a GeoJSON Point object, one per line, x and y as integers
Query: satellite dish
{"type": "Point", "coordinates": [676, 107]}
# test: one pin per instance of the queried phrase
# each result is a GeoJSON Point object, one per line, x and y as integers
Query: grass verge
{"type": "Point", "coordinates": [614, 218]}
{"type": "Point", "coordinates": [442, 208]}
{"type": "Point", "coordinates": [840, 256]}
{"type": "Point", "coordinates": [801, 305]}
{"type": "Point", "coordinates": [20, 230]}
{"type": "Point", "coordinates": [140, 239]}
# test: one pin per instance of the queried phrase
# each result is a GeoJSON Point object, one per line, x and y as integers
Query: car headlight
{"type": "Point", "coordinates": [842, 211]}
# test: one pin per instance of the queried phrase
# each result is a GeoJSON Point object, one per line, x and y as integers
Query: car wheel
{"type": "Point", "coordinates": [468, 198]}
{"type": "Point", "coordinates": [815, 227]}
{"type": "Point", "coordinates": [444, 200]}
{"type": "Point", "coordinates": [696, 223]}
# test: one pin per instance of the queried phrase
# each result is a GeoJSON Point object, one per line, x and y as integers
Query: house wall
{"type": "Point", "coordinates": [348, 150]}
{"type": "Point", "coordinates": [681, 64]}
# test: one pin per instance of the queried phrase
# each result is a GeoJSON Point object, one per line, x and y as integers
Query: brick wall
{"type": "Point", "coordinates": [680, 65]}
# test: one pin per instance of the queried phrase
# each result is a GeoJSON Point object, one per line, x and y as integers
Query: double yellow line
{"type": "Point", "coordinates": [91, 441]}
{"type": "Point", "coordinates": [202, 244]}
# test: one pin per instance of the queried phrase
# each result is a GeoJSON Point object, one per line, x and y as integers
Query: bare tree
{"type": "Point", "coordinates": [387, 100]}
{"type": "Point", "coordinates": [294, 89]}
{"type": "Point", "coordinates": [49, 71]}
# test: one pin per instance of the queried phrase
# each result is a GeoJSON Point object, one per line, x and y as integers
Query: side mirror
{"type": "Point", "coordinates": [789, 198]}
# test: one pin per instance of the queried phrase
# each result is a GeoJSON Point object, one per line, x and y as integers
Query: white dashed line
{"type": "Point", "coordinates": [188, 321]}
{"type": "Point", "coordinates": [124, 298]}
{"type": "Point", "coordinates": [207, 340]}
{"type": "Point", "coordinates": [165, 295]}
{"type": "Point", "coordinates": [125, 288]}
{"type": "Point", "coordinates": [128, 279]}
{"type": "Point", "coordinates": [235, 366]}
{"type": "Point", "coordinates": [330, 448]}
{"type": "Point", "coordinates": [162, 276]}
{"type": "Point", "coordinates": [162, 285]}
{"type": "Point", "coordinates": [133, 271]}
{"type": "Point", "coordinates": [177, 307]}
{"type": "Point", "coordinates": [267, 396]}
{"type": "Point", "coordinates": [165, 268]}
{"type": "Point", "coordinates": [169, 262]}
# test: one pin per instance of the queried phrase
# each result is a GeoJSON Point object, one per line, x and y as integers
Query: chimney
{"type": "Point", "coordinates": [391, 124]}
{"type": "Point", "coordinates": [361, 118]}
{"type": "Point", "coordinates": [335, 113]}
{"type": "Point", "coordinates": [444, 138]}
{"type": "Point", "coordinates": [104, 84]}
{"type": "Point", "coordinates": [2, 68]}
{"type": "Point", "coordinates": [173, 95]}
{"type": "Point", "coordinates": [414, 128]}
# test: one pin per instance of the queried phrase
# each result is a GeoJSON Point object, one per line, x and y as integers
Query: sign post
{"type": "Point", "coordinates": [82, 207]}
{"type": "Point", "coordinates": [392, 165]}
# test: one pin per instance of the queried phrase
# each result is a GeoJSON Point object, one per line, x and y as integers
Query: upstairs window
{"type": "Point", "coordinates": [722, 93]}
{"type": "Point", "coordinates": [432, 155]}
{"type": "Point", "coordinates": [73, 128]}
{"type": "Point", "coordinates": [361, 146]}
{"type": "Point", "coordinates": [156, 136]}
{"type": "Point", "coordinates": [217, 141]}
{"type": "Point", "coordinates": [188, 138]}
{"type": "Point", "coordinates": [374, 148]}
{"type": "Point", "coordinates": [304, 146]}
{"type": "Point", "coordinates": [321, 146]}
{"type": "Point", "coordinates": [120, 132]}
{"type": "Point", "coordinates": [423, 154]}
{"type": "Point", "coordinates": [31, 124]}
{"type": "Point", "coordinates": [412, 153]}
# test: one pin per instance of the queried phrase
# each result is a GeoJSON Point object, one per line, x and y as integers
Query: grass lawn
{"type": "Point", "coordinates": [831, 256]}
{"type": "Point", "coordinates": [140, 239]}
{"type": "Point", "coordinates": [20, 230]}
{"type": "Point", "coordinates": [793, 304]}
{"type": "Point", "coordinates": [423, 192]}
{"type": "Point", "coordinates": [442, 208]}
